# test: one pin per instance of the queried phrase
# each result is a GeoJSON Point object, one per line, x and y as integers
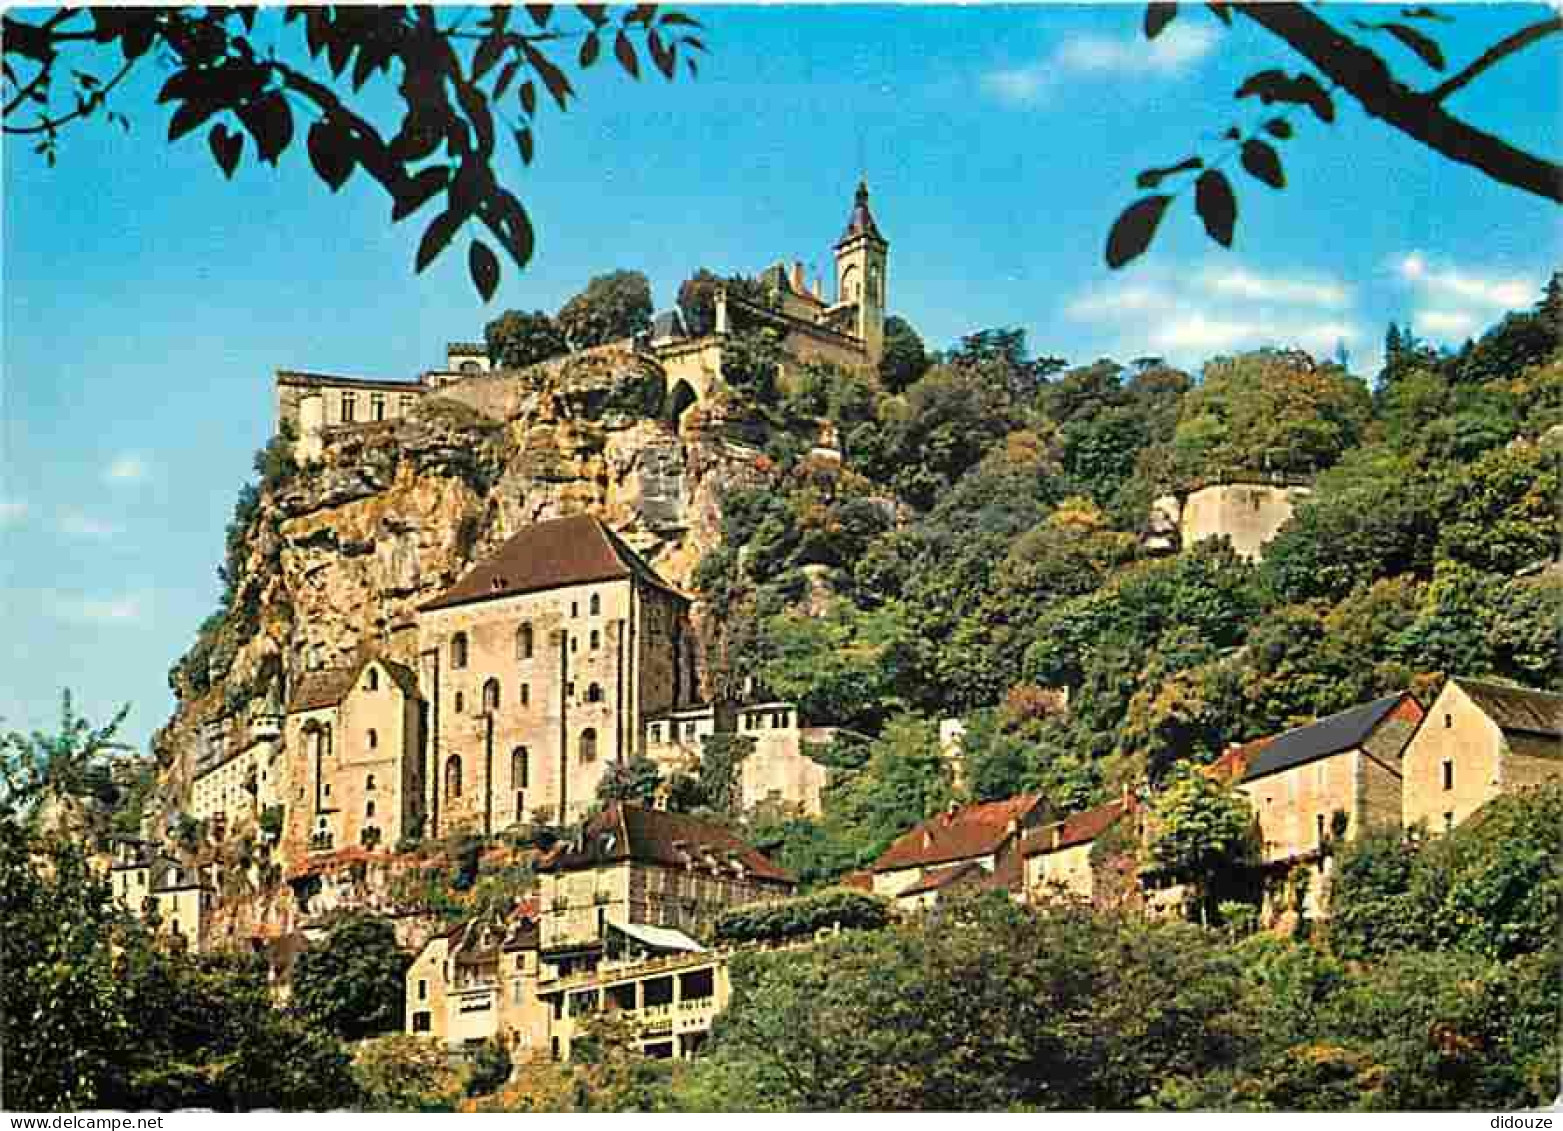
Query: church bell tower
{"type": "Point", "coordinates": [861, 255]}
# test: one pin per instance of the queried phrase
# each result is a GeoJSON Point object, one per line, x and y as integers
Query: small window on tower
{"type": "Point", "coordinates": [348, 408]}
{"type": "Point", "coordinates": [1449, 774]}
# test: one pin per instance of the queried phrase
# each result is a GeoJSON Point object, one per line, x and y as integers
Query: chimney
{"type": "Point", "coordinates": [797, 277]}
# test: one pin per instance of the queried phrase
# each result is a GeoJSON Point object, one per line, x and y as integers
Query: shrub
{"type": "Point", "coordinates": [801, 918]}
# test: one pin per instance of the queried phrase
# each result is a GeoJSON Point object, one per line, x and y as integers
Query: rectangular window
{"type": "Point", "coordinates": [656, 734]}
{"type": "Point", "coordinates": [406, 401]}
{"type": "Point", "coordinates": [347, 408]}
{"type": "Point", "coordinates": [377, 406]}
{"type": "Point", "coordinates": [423, 989]}
{"type": "Point", "coordinates": [1448, 822]}
{"type": "Point", "coordinates": [1449, 775]}
{"type": "Point", "coordinates": [420, 1021]}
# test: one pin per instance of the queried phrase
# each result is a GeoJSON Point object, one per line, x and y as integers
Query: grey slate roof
{"type": "Point", "coordinates": [1520, 710]}
{"type": "Point", "coordinates": [667, 325]}
{"type": "Point", "coordinates": [1330, 735]}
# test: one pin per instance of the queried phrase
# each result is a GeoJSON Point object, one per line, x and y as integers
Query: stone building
{"type": "Point", "coordinates": [539, 666]}
{"type": "Point", "coordinates": [779, 771]}
{"type": "Point", "coordinates": [1058, 861]}
{"type": "Point", "coordinates": [174, 899]}
{"type": "Point", "coordinates": [1477, 741]}
{"type": "Point", "coordinates": [1247, 514]}
{"type": "Point", "coordinates": [239, 769]}
{"type": "Point", "coordinates": [353, 741]}
{"type": "Point", "coordinates": [968, 844]}
{"type": "Point", "coordinates": [478, 981]}
{"type": "Point", "coordinates": [1327, 782]}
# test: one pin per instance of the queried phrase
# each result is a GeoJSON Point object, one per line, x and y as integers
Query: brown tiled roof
{"type": "Point", "coordinates": [861, 880]}
{"type": "Point", "coordinates": [937, 879]}
{"type": "Point", "coordinates": [632, 832]}
{"type": "Point", "coordinates": [1078, 828]}
{"type": "Point", "coordinates": [547, 555]}
{"type": "Point", "coordinates": [329, 687]}
{"type": "Point", "coordinates": [973, 830]}
{"type": "Point", "coordinates": [1008, 874]}
{"type": "Point", "coordinates": [1519, 709]}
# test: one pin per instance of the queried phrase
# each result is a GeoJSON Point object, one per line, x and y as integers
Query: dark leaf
{"type": "Point", "coordinates": [529, 97]}
{"type": "Point", "coordinates": [507, 75]}
{"type": "Point", "coordinates": [364, 67]}
{"type": "Point", "coordinates": [1157, 17]}
{"type": "Point", "coordinates": [624, 51]}
{"type": "Point", "coordinates": [540, 13]}
{"type": "Point", "coordinates": [270, 122]}
{"type": "Point", "coordinates": [1134, 229]}
{"type": "Point", "coordinates": [1150, 178]}
{"type": "Point", "coordinates": [188, 117]}
{"type": "Point", "coordinates": [418, 137]}
{"type": "Point", "coordinates": [694, 44]}
{"type": "Point", "coordinates": [226, 147]}
{"type": "Point", "coordinates": [553, 78]}
{"type": "Point", "coordinates": [1216, 205]}
{"type": "Point", "coordinates": [414, 193]}
{"type": "Point", "coordinates": [1264, 84]}
{"type": "Point", "coordinates": [339, 49]}
{"type": "Point", "coordinates": [475, 106]}
{"type": "Point", "coordinates": [1426, 50]}
{"type": "Point", "coordinates": [1223, 12]}
{"type": "Point", "coordinates": [331, 152]}
{"type": "Point", "coordinates": [1233, 133]}
{"type": "Point", "coordinates": [641, 14]}
{"type": "Point", "coordinates": [1315, 97]}
{"type": "Point", "coordinates": [661, 55]}
{"type": "Point", "coordinates": [489, 52]}
{"type": "Point", "coordinates": [678, 19]}
{"type": "Point", "coordinates": [596, 13]}
{"type": "Point", "coordinates": [590, 47]}
{"type": "Point", "coordinates": [137, 38]}
{"type": "Point", "coordinates": [694, 71]}
{"type": "Point", "coordinates": [1262, 161]}
{"type": "Point", "coordinates": [508, 221]}
{"type": "Point", "coordinates": [1278, 127]}
{"type": "Point", "coordinates": [1425, 13]}
{"type": "Point", "coordinates": [483, 265]}
{"type": "Point", "coordinates": [524, 144]}
{"type": "Point", "coordinates": [437, 236]}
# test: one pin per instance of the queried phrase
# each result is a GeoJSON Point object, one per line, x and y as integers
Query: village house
{"type": "Point", "coordinates": [1326, 783]}
{"type": "Point", "coordinates": [1478, 740]}
{"type": "Point", "coordinates": [175, 900]}
{"type": "Point", "coordinates": [1058, 857]}
{"type": "Point", "coordinates": [779, 770]}
{"type": "Point", "coordinates": [478, 981]}
{"type": "Point", "coordinates": [965, 845]}
{"type": "Point", "coordinates": [353, 739]}
{"type": "Point", "coordinates": [539, 666]}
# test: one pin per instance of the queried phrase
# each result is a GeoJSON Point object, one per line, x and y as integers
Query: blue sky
{"type": "Point", "coordinates": [147, 302]}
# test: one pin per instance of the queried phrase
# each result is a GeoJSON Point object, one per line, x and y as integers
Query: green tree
{"type": "Point", "coordinates": [351, 983]}
{"type": "Point", "coordinates": [418, 83]}
{"type": "Point", "coordinates": [613, 306]}
{"type": "Point", "coordinates": [517, 339]}
{"type": "Point", "coordinates": [1199, 829]}
{"type": "Point", "coordinates": [905, 359]}
{"type": "Point", "coordinates": [636, 780]}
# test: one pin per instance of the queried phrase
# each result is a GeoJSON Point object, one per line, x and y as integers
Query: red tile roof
{"type": "Point", "coordinates": [564, 551]}
{"type": "Point", "coordinates": [861, 880]}
{"type": "Point", "coordinates": [1233, 764]}
{"type": "Point", "coordinates": [1076, 829]}
{"type": "Point", "coordinates": [968, 832]}
{"type": "Point", "coordinates": [632, 832]}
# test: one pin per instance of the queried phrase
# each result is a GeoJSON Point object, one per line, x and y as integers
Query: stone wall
{"type": "Point", "coordinates": [1249, 514]}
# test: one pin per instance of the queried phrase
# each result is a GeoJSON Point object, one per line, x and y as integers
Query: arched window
{"type": "Point", "coordinates": [458, 650]}
{"type": "Point", "coordinates": [369, 782]}
{"type": "Point", "coordinates": [518, 768]}
{"type": "Point", "coordinates": [461, 702]}
{"type": "Point", "coordinates": [369, 808]}
{"type": "Point", "coordinates": [524, 641]}
{"type": "Point", "coordinates": [372, 738]}
{"type": "Point", "coordinates": [453, 777]}
{"type": "Point", "coordinates": [596, 640]}
{"type": "Point", "coordinates": [373, 681]}
{"type": "Point", "coordinates": [491, 695]}
{"type": "Point", "coordinates": [589, 745]}
{"type": "Point", "coordinates": [596, 604]}
{"type": "Point", "coordinates": [594, 693]}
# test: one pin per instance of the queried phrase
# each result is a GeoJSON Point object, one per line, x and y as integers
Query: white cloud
{"type": "Point", "coordinates": [1186, 315]}
{"type": "Point", "coordinates": [1462, 285]}
{"type": "Point", "coordinates": [82, 525]}
{"type": "Point", "coordinates": [1170, 54]}
{"type": "Point", "coordinates": [127, 468]}
{"type": "Point", "coordinates": [124, 609]}
{"type": "Point", "coordinates": [13, 511]}
{"type": "Point", "coordinates": [1446, 324]}
{"type": "Point", "coordinates": [1240, 283]}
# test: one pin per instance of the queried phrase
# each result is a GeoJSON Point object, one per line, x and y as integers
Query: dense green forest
{"type": "Point", "coordinates": [980, 549]}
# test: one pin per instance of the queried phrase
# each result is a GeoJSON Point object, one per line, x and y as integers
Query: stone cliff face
{"type": "Point", "coordinates": [339, 554]}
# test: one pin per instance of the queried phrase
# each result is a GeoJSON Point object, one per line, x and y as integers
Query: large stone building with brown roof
{"type": "Point", "coordinates": [539, 667]}
{"type": "Point", "coordinates": [1479, 740]}
{"type": "Point", "coordinates": [963, 845]}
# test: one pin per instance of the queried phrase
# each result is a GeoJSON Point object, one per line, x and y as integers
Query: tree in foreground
{"type": "Point", "coordinates": [1199, 830]}
{"type": "Point", "coordinates": [462, 87]}
{"type": "Point", "coordinates": [351, 984]}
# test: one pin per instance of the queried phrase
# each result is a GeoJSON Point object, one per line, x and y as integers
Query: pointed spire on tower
{"type": "Point", "coordinates": [861, 221]}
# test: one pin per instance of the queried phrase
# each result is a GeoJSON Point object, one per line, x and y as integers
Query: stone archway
{"type": "Point", "coordinates": [679, 400]}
